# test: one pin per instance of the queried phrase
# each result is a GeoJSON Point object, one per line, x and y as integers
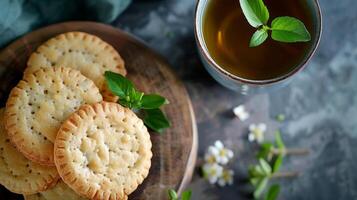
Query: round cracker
{"type": "Point", "coordinates": [103, 151]}
{"type": "Point", "coordinates": [18, 174]}
{"type": "Point", "coordinates": [60, 191]}
{"type": "Point", "coordinates": [39, 104]}
{"type": "Point", "coordinates": [81, 51]}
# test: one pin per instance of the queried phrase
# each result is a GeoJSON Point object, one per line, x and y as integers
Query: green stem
{"type": "Point", "coordinates": [285, 175]}
{"type": "Point", "coordinates": [290, 151]}
{"type": "Point", "coordinates": [265, 27]}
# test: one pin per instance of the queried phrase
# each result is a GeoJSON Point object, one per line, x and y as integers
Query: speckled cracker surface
{"type": "Point", "coordinates": [60, 191]}
{"type": "Point", "coordinates": [18, 174]}
{"type": "Point", "coordinates": [103, 151]}
{"type": "Point", "coordinates": [82, 51]}
{"type": "Point", "coordinates": [39, 104]}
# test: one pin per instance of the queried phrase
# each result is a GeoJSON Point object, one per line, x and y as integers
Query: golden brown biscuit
{"type": "Point", "coordinates": [103, 151]}
{"type": "Point", "coordinates": [59, 192]}
{"type": "Point", "coordinates": [39, 104]}
{"type": "Point", "coordinates": [81, 51]}
{"type": "Point", "coordinates": [19, 174]}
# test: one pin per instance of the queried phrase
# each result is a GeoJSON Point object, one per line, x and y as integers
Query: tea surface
{"type": "Point", "coordinates": [227, 35]}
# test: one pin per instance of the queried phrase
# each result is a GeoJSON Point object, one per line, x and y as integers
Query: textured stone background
{"type": "Point", "coordinates": [320, 103]}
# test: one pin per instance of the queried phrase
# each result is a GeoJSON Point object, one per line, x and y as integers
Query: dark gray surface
{"type": "Point", "coordinates": [320, 102]}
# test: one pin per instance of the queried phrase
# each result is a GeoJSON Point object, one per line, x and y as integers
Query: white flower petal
{"type": "Point", "coordinates": [212, 179]}
{"type": "Point", "coordinates": [221, 182]}
{"type": "Point", "coordinates": [213, 150]}
{"type": "Point", "coordinates": [238, 110]}
{"type": "Point", "coordinates": [209, 158]}
{"type": "Point", "coordinates": [219, 169]}
{"type": "Point", "coordinates": [262, 127]}
{"type": "Point", "coordinates": [223, 160]}
{"type": "Point", "coordinates": [218, 144]}
{"type": "Point", "coordinates": [241, 113]}
{"type": "Point", "coordinates": [244, 116]}
{"type": "Point", "coordinates": [230, 153]}
{"type": "Point", "coordinates": [252, 127]}
{"type": "Point", "coordinates": [251, 137]}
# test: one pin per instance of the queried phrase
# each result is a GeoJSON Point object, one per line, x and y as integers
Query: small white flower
{"type": "Point", "coordinates": [212, 172]}
{"type": "Point", "coordinates": [256, 132]}
{"type": "Point", "coordinates": [222, 154]}
{"type": "Point", "coordinates": [226, 178]}
{"type": "Point", "coordinates": [241, 113]}
{"type": "Point", "coordinates": [210, 158]}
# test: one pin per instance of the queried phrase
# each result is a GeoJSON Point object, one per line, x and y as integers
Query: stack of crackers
{"type": "Point", "coordinates": [59, 139]}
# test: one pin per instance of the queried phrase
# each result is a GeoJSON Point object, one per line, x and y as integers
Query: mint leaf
{"type": "Point", "coordinates": [186, 195]}
{"type": "Point", "coordinates": [152, 101]}
{"type": "Point", "coordinates": [260, 187]}
{"type": "Point", "coordinates": [273, 192]}
{"type": "Point", "coordinates": [136, 98]}
{"type": "Point", "coordinates": [254, 181]}
{"type": "Point", "coordinates": [172, 194]}
{"type": "Point", "coordinates": [156, 120]}
{"type": "Point", "coordinates": [264, 150]}
{"type": "Point", "coordinates": [255, 12]}
{"type": "Point", "coordinates": [129, 97]}
{"type": "Point", "coordinates": [258, 38]}
{"type": "Point", "coordinates": [277, 163]}
{"type": "Point", "coordinates": [118, 84]}
{"type": "Point", "coordinates": [289, 29]}
{"type": "Point", "coordinates": [265, 166]}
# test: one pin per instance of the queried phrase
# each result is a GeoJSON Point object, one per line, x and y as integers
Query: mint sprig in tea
{"type": "Point", "coordinates": [256, 39]}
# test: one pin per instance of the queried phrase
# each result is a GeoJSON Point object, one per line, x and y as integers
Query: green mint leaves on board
{"type": "Point", "coordinates": [148, 104]}
{"type": "Point", "coordinates": [186, 195]}
{"type": "Point", "coordinates": [283, 29]}
{"type": "Point", "coordinates": [156, 119]}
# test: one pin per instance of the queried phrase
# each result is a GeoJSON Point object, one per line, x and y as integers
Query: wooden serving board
{"type": "Point", "coordinates": [174, 151]}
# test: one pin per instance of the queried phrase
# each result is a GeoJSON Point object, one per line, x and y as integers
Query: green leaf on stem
{"type": "Point", "coordinates": [258, 38]}
{"type": "Point", "coordinates": [265, 167]}
{"type": "Point", "coordinates": [265, 149]}
{"type": "Point", "coordinates": [255, 12]}
{"type": "Point", "coordinates": [289, 29]}
{"type": "Point", "coordinates": [273, 192]}
{"type": "Point", "coordinates": [152, 101]}
{"type": "Point", "coordinates": [260, 188]}
{"type": "Point", "coordinates": [186, 195]}
{"type": "Point", "coordinates": [156, 120]}
{"type": "Point", "coordinates": [277, 163]}
{"type": "Point", "coordinates": [172, 194]}
{"type": "Point", "coordinates": [119, 85]}
{"type": "Point", "coordinates": [279, 141]}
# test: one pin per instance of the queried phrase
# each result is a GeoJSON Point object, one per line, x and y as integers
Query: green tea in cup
{"type": "Point", "coordinates": [256, 42]}
{"type": "Point", "coordinates": [227, 35]}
